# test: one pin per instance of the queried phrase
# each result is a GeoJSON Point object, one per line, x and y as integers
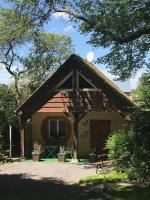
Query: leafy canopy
{"type": "Point", "coordinates": [143, 92]}
{"type": "Point", "coordinates": [48, 52]}
{"type": "Point", "coordinates": [28, 53]}
{"type": "Point", "coordinates": [120, 26]}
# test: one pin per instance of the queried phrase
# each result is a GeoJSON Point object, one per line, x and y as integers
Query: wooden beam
{"type": "Point", "coordinates": [22, 135]}
{"type": "Point", "coordinates": [74, 131]}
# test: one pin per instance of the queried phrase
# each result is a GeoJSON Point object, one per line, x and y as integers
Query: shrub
{"type": "Point", "coordinates": [2, 156]}
{"type": "Point", "coordinates": [131, 153]}
{"type": "Point", "coordinates": [120, 146]}
{"type": "Point", "coordinates": [140, 159]}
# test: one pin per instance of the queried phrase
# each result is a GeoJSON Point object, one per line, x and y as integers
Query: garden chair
{"type": "Point", "coordinates": [69, 151]}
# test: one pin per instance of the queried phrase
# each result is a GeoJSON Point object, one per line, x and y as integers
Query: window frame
{"type": "Point", "coordinates": [57, 128]}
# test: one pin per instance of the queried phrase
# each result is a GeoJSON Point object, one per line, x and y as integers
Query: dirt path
{"type": "Point", "coordinates": [39, 181]}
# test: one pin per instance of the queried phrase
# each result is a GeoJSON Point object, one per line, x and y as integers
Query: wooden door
{"type": "Point", "coordinates": [99, 131]}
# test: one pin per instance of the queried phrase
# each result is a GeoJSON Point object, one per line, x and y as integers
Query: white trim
{"type": "Point", "coordinates": [67, 90]}
{"type": "Point", "coordinates": [57, 127]}
{"type": "Point", "coordinates": [49, 128]}
{"type": "Point", "coordinates": [90, 89]}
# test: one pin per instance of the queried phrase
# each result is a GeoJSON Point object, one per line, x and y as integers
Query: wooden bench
{"type": "Point", "coordinates": [101, 162]}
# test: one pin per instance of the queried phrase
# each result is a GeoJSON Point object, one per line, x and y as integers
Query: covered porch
{"type": "Point", "coordinates": [77, 106]}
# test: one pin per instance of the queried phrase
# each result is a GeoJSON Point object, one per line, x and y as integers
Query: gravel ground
{"type": "Point", "coordinates": [39, 181]}
{"type": "Point", "coordinates": [69, 173]}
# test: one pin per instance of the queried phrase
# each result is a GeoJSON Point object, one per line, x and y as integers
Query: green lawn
{"type": "Point", "coordinates": [112, 176]}
{"type": "Point", "coordinates": [55, 160]}
{"type": "Point", "coordinates": [112, 189]}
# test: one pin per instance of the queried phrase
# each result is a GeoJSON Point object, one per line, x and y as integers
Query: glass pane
{"type": "Point", "coordinates": [61, 128]}
{"type": "Point", "coordinates": [53, 128]}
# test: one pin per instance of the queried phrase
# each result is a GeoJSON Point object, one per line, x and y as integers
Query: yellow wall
{"type": "Point", "coordinates": [37, 120]}
{"type": "Point", "coordinates": [83, 127]}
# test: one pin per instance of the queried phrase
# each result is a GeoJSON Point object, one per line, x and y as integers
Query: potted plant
{"type": "Point", "coordinates": [92, 155]}
{"type": "Point", "coordinates": [61, 155]}
{"type": "Point", "coordinates": [36, 151]}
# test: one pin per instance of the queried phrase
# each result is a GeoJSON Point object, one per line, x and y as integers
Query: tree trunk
{"type": "Point", "coordinates": [18, 96]}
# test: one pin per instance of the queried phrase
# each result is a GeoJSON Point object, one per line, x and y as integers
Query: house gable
{"type": "Point", "coordinates": [82, 84]}
{"type": "Point", "coordinates": [95, 91]}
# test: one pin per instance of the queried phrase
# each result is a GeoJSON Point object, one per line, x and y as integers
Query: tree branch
{"type": "Point", "coordinates": [134, 36]}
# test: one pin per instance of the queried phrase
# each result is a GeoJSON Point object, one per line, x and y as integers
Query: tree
{"type": "Point", "coordinates": [41, 52]}
{"type": "Point", "coordinates": [15, 30]}
{"type": "Point", "coordinates": [49, 51]}
{"type": "Point", "coordinates": [120, 26]}
{"type": "Point", "coordinates": [7, 108]}
{"type": "Point", "coordinates": [143, 92]}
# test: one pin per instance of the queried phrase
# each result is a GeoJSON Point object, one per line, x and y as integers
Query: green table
{"type": "Point", "coordinates": [51, 150]}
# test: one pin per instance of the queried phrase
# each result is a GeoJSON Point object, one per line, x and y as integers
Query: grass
{"type": "Point", "coordinates": [112, 187]}
{"type": "Point", "coordinates": [112, 176]}
{"type": "Point", "coordinates": [129, 192]}
{"type": "Point", "coordinates": [55, 160]}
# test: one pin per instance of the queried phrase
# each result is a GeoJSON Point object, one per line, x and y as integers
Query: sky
{"type": "Point", "coordinates": [60, 24]}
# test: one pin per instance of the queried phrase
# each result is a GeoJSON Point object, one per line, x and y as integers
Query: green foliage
{"type": "Point", "coordinates": [13, 27]}
{"type": "Point", "coordinates": [122, 27]}
{"type": "Point", "coordinates": [49, 51]}
{"type": "Point", "coordinates": [143, 92]}
{"type": "Point", "coordinates": [15, 31]}
{"type": "Point", "coordinates": [41, 52]}
{"type": "Point", "coordinates": [109, 177]}
{"type": "Point", "coordinates": [7, 108]}
{"type": "Point", "coordinates": [120, 146]}
{"type": "Point", "coordinates": [131, 153]}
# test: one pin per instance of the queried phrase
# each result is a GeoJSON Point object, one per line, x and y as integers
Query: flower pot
{"type": "Point", "coordinates": [92, 158]}
{"type": "Point", "coordinates": [61, 157]}
{"type": "Point", "coordinates": [36, 157]}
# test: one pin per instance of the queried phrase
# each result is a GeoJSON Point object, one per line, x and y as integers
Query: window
{"type": "Point", "coordinates": [56, 128]}
{"type": "Point", "coordinates": [81, 83]}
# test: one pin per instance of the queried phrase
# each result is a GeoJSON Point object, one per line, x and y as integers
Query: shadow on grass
{"type": "Point", "coordinates": [128, 192]}
{"type": "Point", "coordinates": [21, 187]}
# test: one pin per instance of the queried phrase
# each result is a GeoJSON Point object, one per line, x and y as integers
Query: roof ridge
{"type": "Point", "coordinates": [103, 76]}
{"type": "Point", "coordinates": [92, 67]}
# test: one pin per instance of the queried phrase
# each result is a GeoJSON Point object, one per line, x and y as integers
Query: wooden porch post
{"type": "Point", "coordinates": [22, 136]}
{"type": "Point", "coordinates": [75, 84]}
{"type": "Point", "coordinates": [75, 136]}
{"type": "Point", "coordinates": [22, 142]}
